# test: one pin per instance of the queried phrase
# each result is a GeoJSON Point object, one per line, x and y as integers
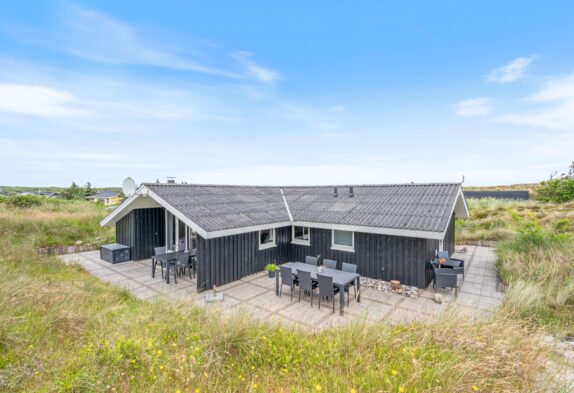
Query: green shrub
{"type": "Point", "coordinates": [557, 190]}
{"type": "Point", "coordinates": [563, 225]}
{"type": "Point", "coordinates": [24, 201]}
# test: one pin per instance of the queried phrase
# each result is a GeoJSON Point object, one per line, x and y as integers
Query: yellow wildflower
{"type": "Point", "coordinates": [394, 372]}
{"type": "Point", "coordinates": [353, 391]}
{"type": "Point", "coordinates": [178, 391]}
{"type": "Point", "coordinates": [475, 388]}
{"type": "Point", "coordinates": [401, 389]}
{"type": "Point", "coordinates": [318, 387]}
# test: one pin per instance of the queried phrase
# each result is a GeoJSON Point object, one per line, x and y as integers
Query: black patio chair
{"type": "Point", "coordinates": [157, 251]}
{"type": "Point", "coordinates": [192, 266]}
{"type": "Point", "coordinates": [331, 264]}
{"type": "Point", "coordinates": [350, 268]}
{"type": "Point", "coordinates": [312, 260]}
{"type": "Point", "coordinates": [327, 289]}
{"type": "Point", "coordinates": [458, 269]}
{"type": "Point", "coordinates": [306, 284]}
{"type": "Point", "coordinates": [178, 265]}
{"type": "Point", "coordinates": [287, 279]}
{"type": "Point", "coordinates": [445, 278]}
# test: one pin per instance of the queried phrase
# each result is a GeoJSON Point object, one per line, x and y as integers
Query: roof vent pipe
{"type": "Point", "coordinates": [351, 194]}
{"type": "Point", "coordinates": [335, 192]}
{"type": "Point", "coordinates": [171, 180]}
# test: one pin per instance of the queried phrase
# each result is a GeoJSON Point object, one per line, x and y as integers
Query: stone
{"type": "Point", "coordinates": [79, 243]}
{"type": "Point", "coordinates": [437, 298]}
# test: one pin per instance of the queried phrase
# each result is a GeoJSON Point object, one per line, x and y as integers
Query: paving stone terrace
{"type": "Point", "coordinates": [254, 296]}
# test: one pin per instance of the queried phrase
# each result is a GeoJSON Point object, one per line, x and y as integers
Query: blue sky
{"type": "Point", "coordinates": [299, 93]}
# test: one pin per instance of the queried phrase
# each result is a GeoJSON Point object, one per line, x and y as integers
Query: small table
{"type": "Point", "coordinates": [165, 258]}
{"type": "Point", "coordinates": [449, 263]}
{"type": "Point", "coordinates": [340, 278]}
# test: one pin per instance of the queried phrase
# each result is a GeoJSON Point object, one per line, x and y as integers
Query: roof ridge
{"type": "Point", "coordinates": [301, 186]}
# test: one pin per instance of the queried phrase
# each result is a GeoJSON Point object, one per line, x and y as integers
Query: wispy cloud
{"type": "Point", "coordinates": [255, 70]}
{"type": "Point", "coordinates": [39, 101]}
{"type": "Point", "coordinates": [558, 97]}
{"type": "Point", "coordinates": [99, 37]}
{"type": "Point", "coordinates": [473, 107]}
{"type": "Point", "coordinates": [511, 72]}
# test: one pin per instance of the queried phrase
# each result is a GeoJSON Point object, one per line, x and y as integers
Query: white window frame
{"type": "Point", "coordinates": [340, 247]}
{"type": "Point", "coordinates": [267, 245]}
{"type": "Point", "coordinates": [301, 241]}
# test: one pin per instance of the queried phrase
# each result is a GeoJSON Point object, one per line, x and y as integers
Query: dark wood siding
{"type": "Point", "coordinates": [377, 256]}
{"type": "Point", "coordinates": [142, 230]}
{"type": "Point", "coordinates": [226, 259]}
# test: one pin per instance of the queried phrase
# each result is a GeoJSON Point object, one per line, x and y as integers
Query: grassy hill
{"type": "Point", "coordinates": [61, 329]}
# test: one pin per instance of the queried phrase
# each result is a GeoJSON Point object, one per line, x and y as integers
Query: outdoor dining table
{"type": "Point", "coordinates": [165, 258]}
{"type": "Point", "coordinates": [340, 278]}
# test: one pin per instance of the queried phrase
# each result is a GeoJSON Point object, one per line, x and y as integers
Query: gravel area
{"type": "Point", "coordinates": [385, 286]}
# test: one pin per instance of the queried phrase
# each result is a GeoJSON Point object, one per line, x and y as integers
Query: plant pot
{"type": "Point", "coordinates": [272, 274]}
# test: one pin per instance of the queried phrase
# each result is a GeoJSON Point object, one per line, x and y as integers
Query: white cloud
{"type": "Point", "coordinates": [38, 101]}
{"type": "Point", "coordinates": [558, 97]}
{"type": "Point", "coordinates": [99, 37]}
{"type": "Point", "coordinates": [473, 107]}
{"type": "Point", "coordinates": [511, 72]}
{"type": "Point", "coordinates": [254, 70]}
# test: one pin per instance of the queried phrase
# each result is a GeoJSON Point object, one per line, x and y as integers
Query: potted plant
{"type": "Point", "coordinates": [271, 269]}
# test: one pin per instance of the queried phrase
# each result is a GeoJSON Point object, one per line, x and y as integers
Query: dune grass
{"type": "Point", "coordinates": [63, 330]}
{"type": "Point", "coordinates": [496, 219]}
{"type": "Point", "coordinates": [54, 222]}
{"type": "Point", "coordinates": [538, 266]}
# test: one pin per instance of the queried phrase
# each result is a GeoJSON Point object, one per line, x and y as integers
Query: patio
{"type": "Point", "coordinates": [254, 295]}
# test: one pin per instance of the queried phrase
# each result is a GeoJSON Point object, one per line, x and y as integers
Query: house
{"type": "Point", "coordinates": [46, 194]}
{"type": "Point", "coordinates": [389, 231]}
{"type": "Point", "coordinates": [106, 197]}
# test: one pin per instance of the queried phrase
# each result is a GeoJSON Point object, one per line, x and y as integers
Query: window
{"type": "Point", "coordinates": [266, 238]}
{"type": "Point", "coordinates": [191, 239]}
{"type": "Point", "coordinates": [343, 240]}
{"type": "Point", "coordinates": [301, 235]}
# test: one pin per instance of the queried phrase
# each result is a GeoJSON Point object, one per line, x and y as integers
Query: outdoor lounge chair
{"type": "Point", "coordinates": [306, 284]}
{"type": "Point", "coordinates": [312, 260]}
{"type": "Point", "coordinates": [331, 264]}
{"type": "Point", "coordinates": [287, 279]}
{"type": "Point", "coordinates": [327, 289]}
{"type": "Point", "coordinates": [458, 269]}
{"type": "Point", "coordinates": [444, 278]}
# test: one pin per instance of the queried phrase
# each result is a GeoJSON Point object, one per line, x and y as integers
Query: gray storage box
{"type": "Point", "coordinates": [115, 253]}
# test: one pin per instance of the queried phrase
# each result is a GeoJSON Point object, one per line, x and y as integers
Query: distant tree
{"type": "Point", "coordinates": [73, 192]}
{"type": "Point", "coordinates": [88, 190]}
{"type": "Point", "coordinates": [558, 189]}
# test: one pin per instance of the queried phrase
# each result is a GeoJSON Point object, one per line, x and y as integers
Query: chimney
{"type": "Point", "coordinates": [351, 194]}
{"type": "Point", "coordinates": [170, 180]}
{"type": "Point", "coordinates": [335, 192]}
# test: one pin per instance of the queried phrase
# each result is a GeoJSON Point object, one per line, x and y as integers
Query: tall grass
{"type": "Point", "coordinates": [495, 219]}
{"type": "Point", "coordinates": [63, 330]}
{"type": "Point", "coordinates": [53, 222]}
{"type": "Point", "coordinates": [538, 266]}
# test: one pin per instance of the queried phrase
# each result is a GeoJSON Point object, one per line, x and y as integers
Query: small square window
{"type": "Point", "coordinates": [266, 238]}
{"type": "Point", "coordinates": [343, 240]}
{"type": "Point", "coordinates": [301, 235]}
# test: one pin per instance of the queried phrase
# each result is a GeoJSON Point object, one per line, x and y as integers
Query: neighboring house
{"type": "Point", "coordinates": [47, 194]}
{"type": "Point", "coordinates": [389, 231]}
{"type": "Point", "coordinates": [106, 197]}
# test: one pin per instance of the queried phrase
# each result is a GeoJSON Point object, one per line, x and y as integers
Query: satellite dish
{"type": "Point", "coordinates": [129, 186]}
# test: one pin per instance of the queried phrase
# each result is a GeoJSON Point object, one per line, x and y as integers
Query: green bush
{"type": "Point", "coordinates": [24, 201]}
{"type": "Point", "coordinates": [563, 225]}
{"type": "Point", "coordinates": [557, 190]}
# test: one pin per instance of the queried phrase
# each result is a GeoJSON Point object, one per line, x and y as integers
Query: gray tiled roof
{"type": "Point", "coordinates": [104, 194]}
{"type": "Point", "coordinates": [417, 207]}
{"type": "Point", "coordinates": [216, 208]}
